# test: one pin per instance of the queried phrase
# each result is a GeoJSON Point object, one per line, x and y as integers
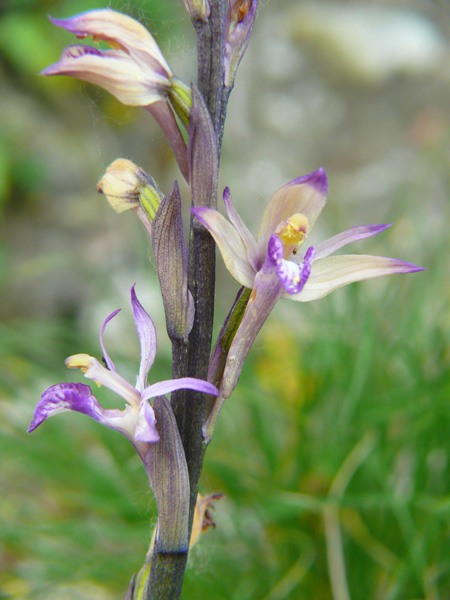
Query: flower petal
{"type": "Point", "coordinates": [333, 272]}
{"type": "Point", "coordinates": [113, 70]}
{"type": "Point", "coordinates": [145, 427]}
{"type": "Point", "coordinates": [183, 383]}
{"type": "Point", "coordinates": [79, 398]}
{"type": "Point", "coordinates": [346, 237]}
{"type": "Point", "coordinates": [293, 276]}
{"type": "Point", "coordinates": [241, 228]}
{"type": "Point", "coordinates": [275, 250]}
{"type": "Point", "coordinates": [231, 246]}
{"type": "Point", "coordinates": [305, 195]}
{"type": "Point", "coordinates": [147, 338]}
{"type": "Point", "coordinates": [108, 361]}
{"type": "Point", "coordinates": [118, 30]}
{"type": "Point", "coordinates": [69, 396]}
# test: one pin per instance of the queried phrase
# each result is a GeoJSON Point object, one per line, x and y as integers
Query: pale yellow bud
{"type": "Point", "coordinates": [120, 184]}
{"type": "Point", "coordinates": [127, 186]}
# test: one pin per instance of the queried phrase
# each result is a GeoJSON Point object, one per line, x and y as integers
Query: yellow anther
{"type": "Point", "coordinates": [293, 231]}
{"type": "Point", "coordinates": [79, 361]}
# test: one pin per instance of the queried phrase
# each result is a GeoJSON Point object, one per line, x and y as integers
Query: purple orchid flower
{"type": "Point", "coordinates": [134, 70]}
{"type": "Point", "coordinates": [137, 421]}
{"type": "Point", "coordinates": [275, 265]}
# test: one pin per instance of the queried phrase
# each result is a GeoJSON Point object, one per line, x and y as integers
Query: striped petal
{"type": "Point", "coordinates": [78, 397]}
{"type": "Point", "coordinates": [293, 276]}
{"type": "Point", "coordinates": [183, 383]}
{"type": "Point", "coordinates": [353, 234]}
{"type": "Point", "coordinates": [305, 195]}
{"type": "Point", "coordinates": [147, 338]}
{"type": "Point", "coordinates": [230, 243]}
{"type": "Point", "coordinates": [118, 30]}
{"type": "Point", "coordinates": [108, 361]}
{"type": "Point", "coordinates": [113, 70]}
{"type": "Point", "coordinates": [242, 229]}
{"type": "Point", "coordinates": [329, 274]}
{"type": "Point", "coordinates": [137, 425]}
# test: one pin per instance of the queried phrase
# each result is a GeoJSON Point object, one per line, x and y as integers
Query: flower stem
{"type": "Point", "coordinates": [211, 49]}
{"type": "Point", "coordinates": [189, 407]}
{"type": "Point", "coordinates": [167, 575]}
{"type": "Point", "coordinates": [219, 357]}
{"type": "Point", "coordinates": [192, 358]}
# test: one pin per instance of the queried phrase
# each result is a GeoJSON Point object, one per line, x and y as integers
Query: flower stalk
{"type": "Point", "coordinates": [211, 68]}
{"type": "Point", "coordinates": [218, 359]}
{"type": "Point", "coordinates": [192, 356]}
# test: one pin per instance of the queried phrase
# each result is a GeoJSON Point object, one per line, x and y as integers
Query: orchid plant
{"type": "Point", "coordinates": [171, 437]}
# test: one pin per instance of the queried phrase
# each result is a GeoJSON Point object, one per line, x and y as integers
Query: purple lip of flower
{"type": "Point", "coordinates": [273, 265]}
{"type": "Point", "coordinates": [292, 276]}
{"type": "Point", "coordinates": [137, 421]}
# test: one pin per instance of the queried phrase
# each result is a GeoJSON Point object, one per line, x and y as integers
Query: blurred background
{"type": "Point", "coordinates": [333, 453]}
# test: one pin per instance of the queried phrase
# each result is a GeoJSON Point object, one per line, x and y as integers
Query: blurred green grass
{"type": "Point", "coordinates": [336, 441]}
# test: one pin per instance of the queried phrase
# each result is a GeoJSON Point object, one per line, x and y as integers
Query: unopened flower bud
{"type": "Point", "coordinates": [199, 10]}
{"type": "Point", "coordinates": [238, 12]}
{"type": "Point", "coordinates": [241, 19]}
{"type": "Point", "coordinates": [127, 186]}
